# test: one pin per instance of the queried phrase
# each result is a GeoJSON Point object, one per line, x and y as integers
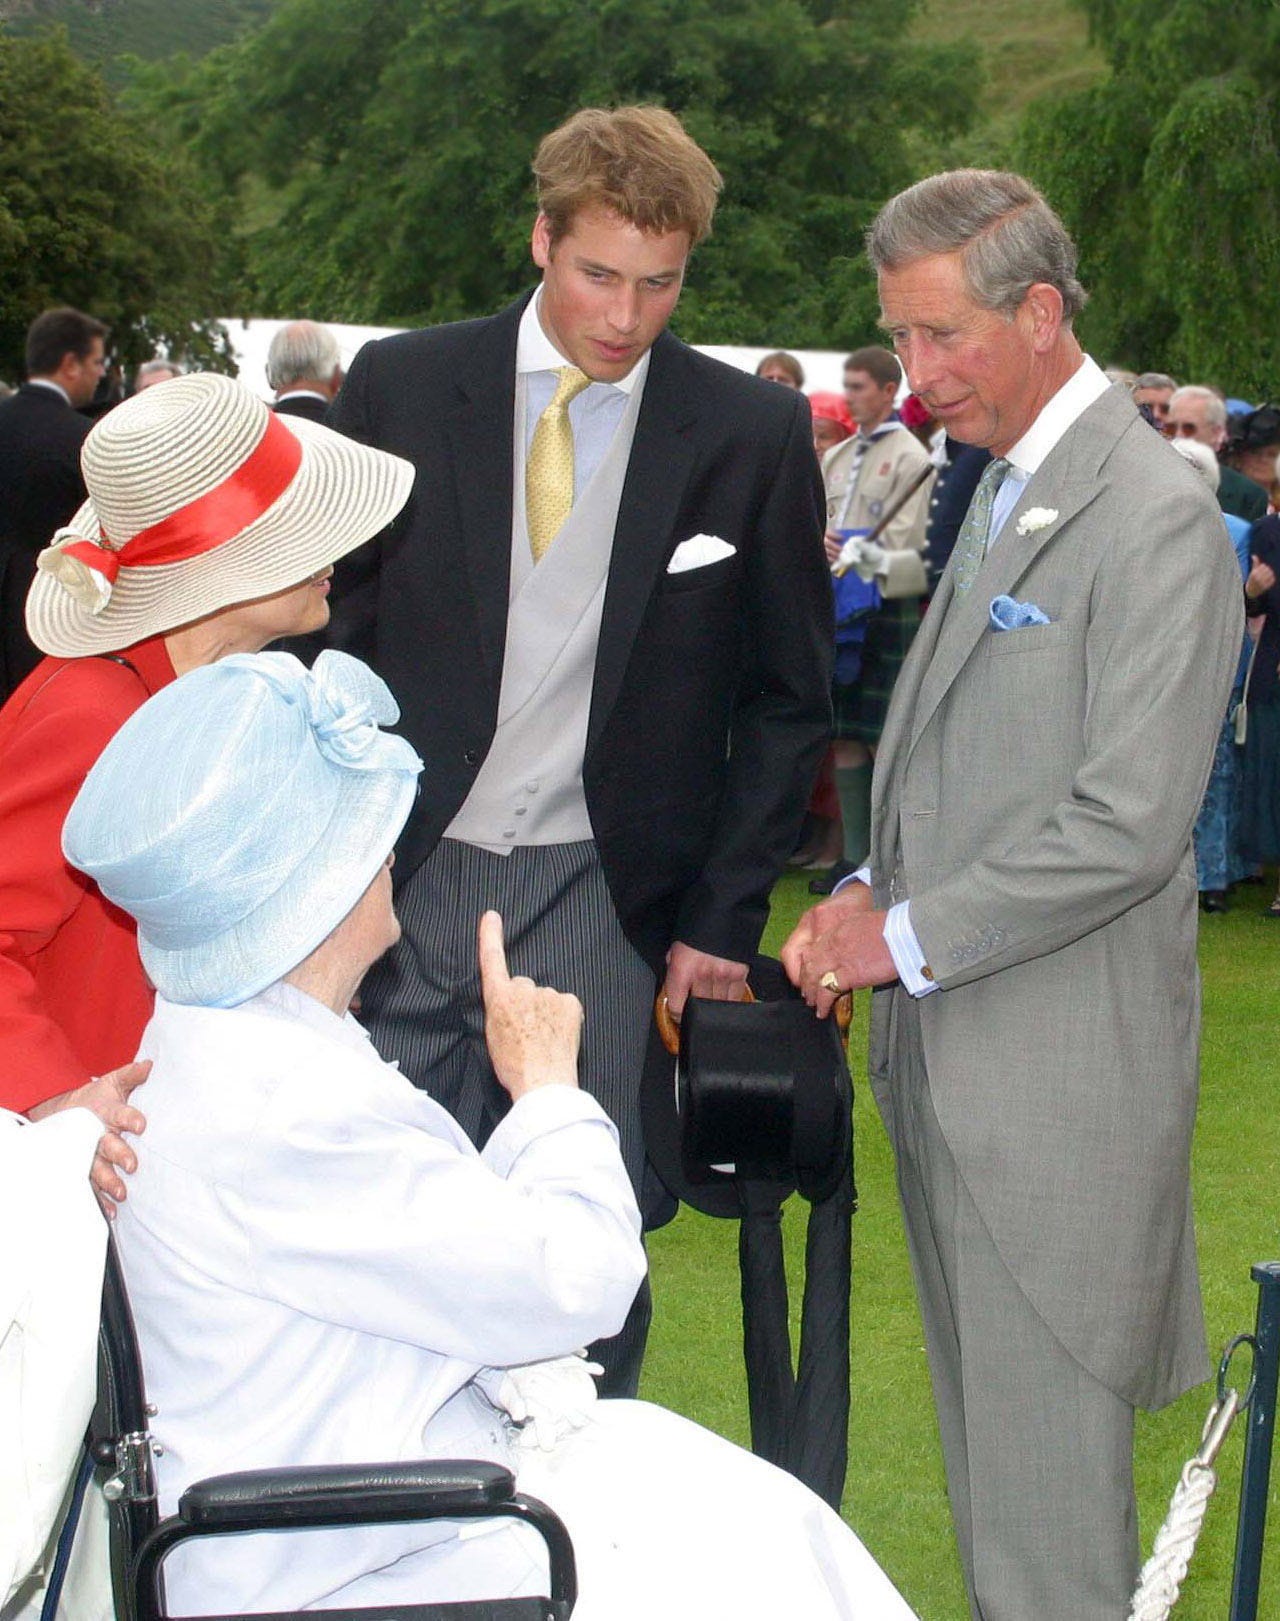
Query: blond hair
{"type": "Point", "coordinates": [636, 162]}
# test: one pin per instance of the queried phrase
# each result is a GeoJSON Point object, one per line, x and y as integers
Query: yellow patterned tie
{"type": "Point", "coordinates": [548, 473]}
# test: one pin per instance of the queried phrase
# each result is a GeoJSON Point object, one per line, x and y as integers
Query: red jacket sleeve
{"type": "Point", "coordinates": [43, 761]}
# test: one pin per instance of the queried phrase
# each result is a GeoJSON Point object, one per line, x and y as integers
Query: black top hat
{"type": "Point", "coordinates": [760, 1094]}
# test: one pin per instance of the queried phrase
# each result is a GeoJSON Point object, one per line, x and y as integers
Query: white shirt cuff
{"type": "Point", "coordinates": [862, 876]}
{"type": "Point", "coordinates": [905, 950]}
{"type": "Point", "coordinates": [901, 940]}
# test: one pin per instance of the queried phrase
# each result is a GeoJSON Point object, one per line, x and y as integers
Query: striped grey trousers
{"type": "Point", "coordinates": [422, 1006]}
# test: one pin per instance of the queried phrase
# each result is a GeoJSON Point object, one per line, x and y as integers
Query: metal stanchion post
{"type": "Point", "coordinates": [1257, 1453]}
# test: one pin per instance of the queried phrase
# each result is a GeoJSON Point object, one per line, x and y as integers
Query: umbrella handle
{"type": "Point", "coordinates": [669, 1025]}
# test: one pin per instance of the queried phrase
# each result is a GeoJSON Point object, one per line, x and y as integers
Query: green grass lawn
{"type": "Point", "coordinates": [895, 1496]}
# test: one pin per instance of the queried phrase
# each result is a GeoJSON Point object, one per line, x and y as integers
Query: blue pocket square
{"type": "Point", "coordinates": [1006, 614]}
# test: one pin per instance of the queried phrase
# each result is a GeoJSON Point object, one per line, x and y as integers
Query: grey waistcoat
{"type": "Point", "coordinates": [529, 789]}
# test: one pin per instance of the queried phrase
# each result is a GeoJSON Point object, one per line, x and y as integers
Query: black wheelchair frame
{"type": "Point", "coordinates": [290, 1499]}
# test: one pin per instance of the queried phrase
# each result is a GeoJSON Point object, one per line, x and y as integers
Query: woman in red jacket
{"type": "Point", "coordinates": [211, 528]}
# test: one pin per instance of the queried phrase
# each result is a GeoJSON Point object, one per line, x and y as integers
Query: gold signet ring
{"type": "Point", "coordinates": [829, 982]}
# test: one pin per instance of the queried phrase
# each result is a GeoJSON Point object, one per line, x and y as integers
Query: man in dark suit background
{"type": "Point", "coordinates": [41, 431]}
{"type": "Point", "coordinates": [617, 673]}
{"type": "Point", "coordinates": [304, 366]}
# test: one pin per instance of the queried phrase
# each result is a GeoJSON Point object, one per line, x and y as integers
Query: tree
{"type": "Point", "coordinates": [1166, 174]}
{"type": "Point", "coordinates": [93, 214]}
{"type": "Point", "coordinates": [384, 145]}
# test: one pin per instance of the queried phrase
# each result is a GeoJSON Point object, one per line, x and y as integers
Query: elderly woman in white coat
{"type": "Point", "coordinates": [321, 1265]}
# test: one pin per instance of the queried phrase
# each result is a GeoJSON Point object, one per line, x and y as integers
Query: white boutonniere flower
{"type": "Point", "coordinates": [1036, 518]}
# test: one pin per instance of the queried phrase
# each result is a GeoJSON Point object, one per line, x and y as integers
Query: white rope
{"type": "Point", "coordinates": [1166, 1570]}
{"type": "Point", "coordinates": [1164, 1573]}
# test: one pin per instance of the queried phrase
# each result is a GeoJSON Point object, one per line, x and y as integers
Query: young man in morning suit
{"type": "Point", "coordinates": [615, 656]}
{"type": "Point", "coordinates": [1030, 904]}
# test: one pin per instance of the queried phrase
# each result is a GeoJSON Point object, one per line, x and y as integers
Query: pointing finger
{"type": "Point", "coordinates": [492, 955]}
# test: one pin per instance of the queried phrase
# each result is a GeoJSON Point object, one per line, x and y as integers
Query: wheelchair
{"type": "Point", "coordinates": [313, 1496]}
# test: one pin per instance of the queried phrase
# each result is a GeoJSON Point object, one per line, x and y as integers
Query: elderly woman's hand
{"type": "Point", "coordinates": [532, 1032]}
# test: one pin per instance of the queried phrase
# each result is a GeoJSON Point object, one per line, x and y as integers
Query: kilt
{"type": "Point", "coordinates": [859, 709]}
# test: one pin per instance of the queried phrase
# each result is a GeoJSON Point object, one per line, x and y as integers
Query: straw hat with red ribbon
{"type": "Point", "coordinates": [200, 497]}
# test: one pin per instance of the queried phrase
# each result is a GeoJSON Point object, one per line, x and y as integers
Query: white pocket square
{"type": "Point", "coordinates": [697, 552]}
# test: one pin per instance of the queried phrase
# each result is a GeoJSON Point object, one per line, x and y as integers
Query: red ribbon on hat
{"type": "Point", "coordinates": [212, 518]}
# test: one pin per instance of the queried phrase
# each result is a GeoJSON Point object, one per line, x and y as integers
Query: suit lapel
{"type": "Point", "coordinates": [662, 455]}
{"type": "Point", "coordinates": [480, 433]}
{"type": "Point", "coordinates": [1067, 483]}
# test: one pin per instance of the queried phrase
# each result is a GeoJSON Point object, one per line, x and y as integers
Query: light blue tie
{"type": "Point", "coordinates": [971, 543]}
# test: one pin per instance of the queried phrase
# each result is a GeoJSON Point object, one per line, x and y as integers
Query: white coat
{"type": "Point", "coordinates": [322, 1268]}
{"type": "Point", "coordinates": [50, 1289]}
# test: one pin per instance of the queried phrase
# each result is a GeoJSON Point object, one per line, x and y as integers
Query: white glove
{"type": "Point", "coordinates": [864, 557]}
{"type": "Point", "coordinates": [551, 1399]}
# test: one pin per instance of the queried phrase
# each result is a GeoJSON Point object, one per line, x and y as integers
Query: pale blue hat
{"type": "Point", "coordinates": [241, 813]}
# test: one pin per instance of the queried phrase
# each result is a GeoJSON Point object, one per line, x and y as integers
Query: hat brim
{"type": "Point", "coordinates": [342, 495]}
{"type": "Point", "coordinates": [328, 880]}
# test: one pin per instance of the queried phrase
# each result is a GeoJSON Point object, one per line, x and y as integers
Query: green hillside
{"type": "Point", "coordinates": [1033, 48]}
{"type": "Point", "coordinates": [152, 29]}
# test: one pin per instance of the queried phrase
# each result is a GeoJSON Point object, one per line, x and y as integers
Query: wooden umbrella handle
{"type": "Point", "coordinates": [669, 1028]}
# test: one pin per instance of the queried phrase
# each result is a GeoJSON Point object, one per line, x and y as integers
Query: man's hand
{"type": "Point", "coordinates": [697, 973]}
{"type": "Point", "coordinates": [834, 545]}
{"type": "Point", "coordinates": [532, 1032]}
{"type": "Point", "coordinates": [845, 937]}
{"type": "Point", "coordinates": [107, 1097]}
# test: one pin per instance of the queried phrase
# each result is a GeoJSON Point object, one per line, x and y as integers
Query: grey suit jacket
{"type": "Point", "coordinates": [1034, 799]}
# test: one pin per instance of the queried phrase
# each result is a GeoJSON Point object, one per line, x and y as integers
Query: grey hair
{"type": "Point", "coordinates": [1007, 235]}
{"type": "Point", "coordinates": [302, 351]}
{"type": "Point", "coordinates": [1153, 379]}
{"type": "Point", "coordinates": [1201, 458]}
{"type": "Point", "coordinates": [153, 368]}
{"type": "Point", "coordinates": [1215, 409]}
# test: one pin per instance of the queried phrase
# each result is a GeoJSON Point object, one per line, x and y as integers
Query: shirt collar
{"type": "Point", "coordinates": [889, 425]}
{"type": "Point", "coordinates": [536, 352]}
{"type": "Point", "coordinates": [48, 382]}
{"type": "Point", "coordinates": [1085, 385]}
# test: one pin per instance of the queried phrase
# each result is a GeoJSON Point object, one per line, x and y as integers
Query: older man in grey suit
{"type": "Point", "coordinates": [1029, 910]}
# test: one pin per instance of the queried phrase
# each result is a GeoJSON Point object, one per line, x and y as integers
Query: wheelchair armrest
{"type": "Point", "coordinates": [316, 1495]}
{"type": "Point", "coordinates": [319, 1494]}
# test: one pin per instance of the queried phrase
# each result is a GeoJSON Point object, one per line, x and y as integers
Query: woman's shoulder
{"type": "Point", "coordinates": [263, 1054]}
{"type": "Point", "coordinates": [85, 696]}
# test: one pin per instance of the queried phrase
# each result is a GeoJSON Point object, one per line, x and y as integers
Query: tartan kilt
{"type": "Point", "coordinates": [859, 709]}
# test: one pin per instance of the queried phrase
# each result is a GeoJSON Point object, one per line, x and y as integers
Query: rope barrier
{"type": "Point", "coordinates": [1164, 1573]}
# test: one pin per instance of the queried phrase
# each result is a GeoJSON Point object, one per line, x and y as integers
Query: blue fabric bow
{"type": "Point", "coordinates": [345, 703]}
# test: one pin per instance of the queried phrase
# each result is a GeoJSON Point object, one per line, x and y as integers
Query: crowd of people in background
{"type": "Point", "coordinates": [1235, 447]}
